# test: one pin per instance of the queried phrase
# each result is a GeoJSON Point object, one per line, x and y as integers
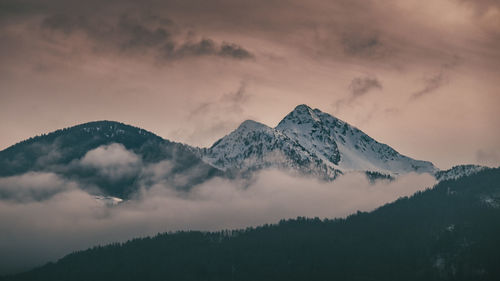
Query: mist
{"type": "Point", "coordinates": [38, 229]}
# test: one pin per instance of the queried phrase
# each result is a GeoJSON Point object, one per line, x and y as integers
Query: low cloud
{"type": "Point", "coordinates": [33, 186]}
{"type": "Point", "coordinates": [113, 161]}
{"type": "Point", "coordinates": [40, 231]}
{"type": "Point", "coordinates": [110, 156]}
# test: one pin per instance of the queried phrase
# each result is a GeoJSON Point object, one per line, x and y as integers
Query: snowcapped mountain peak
{"type": "Point", "coordinates": [250, 125]}
{"type": "Point", "coordinates": [253, 146]}
{"type": "Point", "coordinates": [344, 145]}
{"type": "Point", "coordinates": [302, 114]}
{"type": "Point", "coordinates": [310, 141]}
{"type": "Point", "coordinates": [305, 126]}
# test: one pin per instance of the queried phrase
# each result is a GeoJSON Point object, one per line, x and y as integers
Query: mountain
{"type": "Point", "coordinates": [64, 152]}
{"type": "Point", "coordinates": [113, 159]}
{"type": "Point", "coordinates": [254, 146]}
{"type": "Point", "coordinates": [449, 232]}
{"type": "Point", "coordinates": [345, 146]}
{"type": "Point", "coordinates": [312, 142]}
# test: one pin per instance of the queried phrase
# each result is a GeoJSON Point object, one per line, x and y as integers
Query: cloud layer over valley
{"type": "Point", "coordinates": [45, 216]}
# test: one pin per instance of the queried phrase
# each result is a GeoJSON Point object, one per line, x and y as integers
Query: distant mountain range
{"type": "Point", "coordinates": [306, 142]}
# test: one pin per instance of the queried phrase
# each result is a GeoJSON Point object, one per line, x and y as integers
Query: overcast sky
{"type": "Point", "coordinates": [421, 76]}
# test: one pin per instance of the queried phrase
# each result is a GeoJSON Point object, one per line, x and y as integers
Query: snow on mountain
{"type": "Point", "coordinates": [305, 126]}
{"type": "Point", "coordinates": [346, 146]}
{"type": "Point", "coordinates": [254, 146]}
{"type": "Point", "coordinates": [458, 172]}
{"type": "Point", "coordinates": [312, 142]}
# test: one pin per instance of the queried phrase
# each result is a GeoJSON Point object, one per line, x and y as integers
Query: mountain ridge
{"type": "Point", "coordinates": [306, 141]}
{"type": "Point", "coordinates": [333, 147]}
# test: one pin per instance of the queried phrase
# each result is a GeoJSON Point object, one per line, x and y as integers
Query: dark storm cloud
{"type": "Point", "coordinates": [206, 47]}
{"type": "Point", "coordinates": [235, 51]}
{"type": "Point", "coordinates": [365, 30]}
{"type": "Point", "coordinates": [202, 48]}
{"type": "Point", "coordinates": [141, 33]}
{"type": "Point", "coordinates": [123, 32]}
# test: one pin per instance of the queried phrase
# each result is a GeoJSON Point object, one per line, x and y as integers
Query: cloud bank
{"type": "Point", "coordinates": [46, 228]}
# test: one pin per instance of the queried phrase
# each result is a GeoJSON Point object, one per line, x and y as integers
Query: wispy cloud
{"type": "Point", "coordinates": [359, 87]}
{"type": "Point", "coordinates": [362, 85]}
{"type": "Point", "coordinates": [113, 161]}
{"type": "Point", "coordinates": [218, 116]}
{"type": "Point", "coordinates": [431, 84]}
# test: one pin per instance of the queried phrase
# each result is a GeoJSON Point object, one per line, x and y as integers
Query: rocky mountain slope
{"type": "Point", "coordinates": [312, 142]}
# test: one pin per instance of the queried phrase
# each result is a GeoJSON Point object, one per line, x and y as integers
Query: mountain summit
{"type": "Point", "coordinates": [310, 141]}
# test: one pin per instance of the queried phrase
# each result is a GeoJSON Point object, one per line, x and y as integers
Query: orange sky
{"type": "Point", "coordinates": [421, 76]}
